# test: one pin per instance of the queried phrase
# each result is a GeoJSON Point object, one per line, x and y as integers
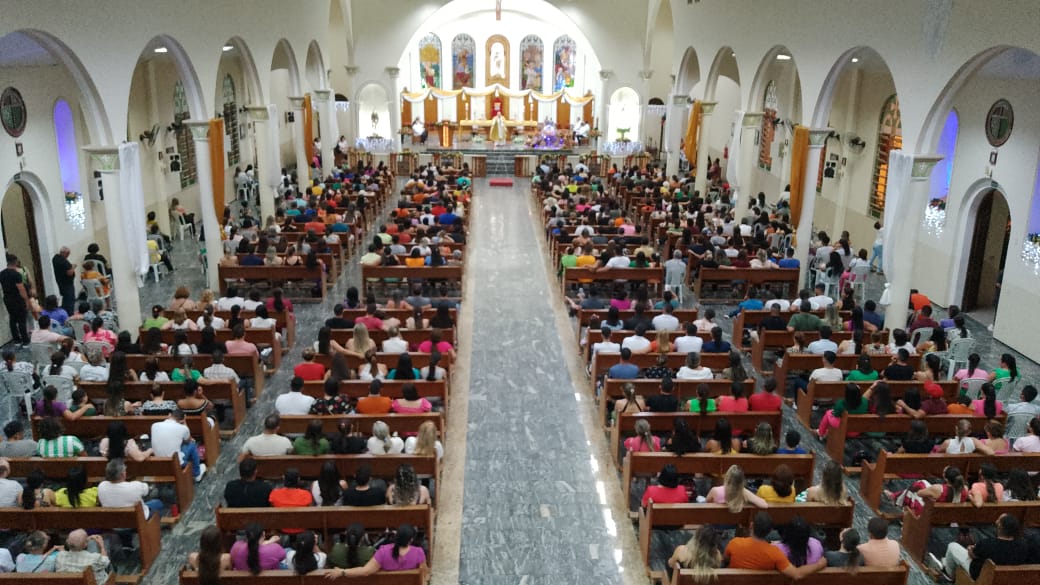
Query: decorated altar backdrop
{"type": "Point", "coordinates": [441, 104]}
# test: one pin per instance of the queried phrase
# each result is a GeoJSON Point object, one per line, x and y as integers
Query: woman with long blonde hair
{"type": "Point", "coordinates": [734, 493]}
{"type": "Point", "coordinates": [831, 490]}
{"type": "Point", "coordinates": [700, 555]}
{"type": "Point", "coordinates": [360, 342]}
{"type": "Point", "coordinates": [426, 442]}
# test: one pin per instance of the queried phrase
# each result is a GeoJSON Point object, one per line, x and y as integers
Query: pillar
{"type": "Point", "coordinates": [124, 283]}
{"type": "Point", "coordinates": [394, 73]}
{"type": "Point", "coordinates": [210, 222]}
{"type": "Point", "coordinates": [701, 179]}
{"type": "Point", "coordinates": [902, 235]}
{"type": "Point", "coordinates": [326, 112]}
{"type": "Point", "coordinates": [268, 171]}
{"type": "Point", "coordinates": [803, 235]}
{"type": "Point", "coordinates": [747, 158]}
{"type": "Point", "coordinates": [845, 186]}
{"type": "Point", "coordinates": [303, 166]}
{"type": "Point", "coordinates": [351, 130]}
{"type": "Point", "coordinates": [674, 126]}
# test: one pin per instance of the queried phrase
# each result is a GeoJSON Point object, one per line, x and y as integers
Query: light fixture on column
{"type": "Point", "coordinates": [855, 59]}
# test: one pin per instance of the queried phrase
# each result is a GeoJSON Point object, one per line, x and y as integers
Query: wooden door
{"type": "Point", "coordinates": [979, 236]}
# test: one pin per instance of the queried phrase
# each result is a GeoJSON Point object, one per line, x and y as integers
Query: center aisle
{"type": "Point", "coordinates": [532, 513]}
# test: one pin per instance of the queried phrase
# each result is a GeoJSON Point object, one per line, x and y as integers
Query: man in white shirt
{"type": "Point", "coordinates": [824, 343]}
{"type": "Point", "coordinates": [804, 295]}
{"type": "Point", "coordinates": [820, 301]}
{"type": "Point", "coordinates": [828, 373]}
{"type": "Point", "coordinates": [269, 443]}
{"type": "Point", "coordinates": [231, 299]}
{"type": "Point", "coordinates": [689, 343]}
{"type": "Point", "coordinates": [1025, 405]}
{"type": "Point", "coordinates": [666, 321]}
{"type": "Point", "coordinates": [675, 269]}
{"type": "Point", "coordinates": [294, 401]}
{"type": "Point", "coordinates": [9, 488]}
{"type": "Point", "coordinates": [619, 260]}
{"type": "Point", "coordinates": [784, 304]}
{"type": "Point", "coordinates": [637, 343]}
{"type": "Point", "coordinates": [117, 492]}
{"type": "Point", "coordinates": [394, 343]}
{"type": "Point", "coordinates": [171, 436]}
{"type": "Point", "coordinates": [607, 345]}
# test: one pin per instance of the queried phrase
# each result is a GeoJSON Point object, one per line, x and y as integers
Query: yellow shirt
{"type": "Point", "coordinates": [414, 262]}
{"type": "Point", "coordinates": [767, 493]}
{"type": "Point", "coordinates": [87, 498]}
{"type": "Point", "coordinates": [585, 260]}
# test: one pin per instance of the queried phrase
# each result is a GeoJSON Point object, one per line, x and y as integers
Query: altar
{"type": "Point", "coordinates": [481, 127]}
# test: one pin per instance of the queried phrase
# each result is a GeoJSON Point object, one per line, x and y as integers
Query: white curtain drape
{"type": "Point", "coordinates": [271, 168]}
{"type": "Point", "coordinates": [516, 108]}
{"type": "Point", "coordinates": [733, 165]}
{"type": "Point", "coordinates": [897, 204]}
{"type": "Point", "coordinates": [131, 191]}
{"type": "Point", "coordinates": [477, 105]}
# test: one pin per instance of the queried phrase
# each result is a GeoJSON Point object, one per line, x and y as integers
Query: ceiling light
{"type": "Point", "coordinates": [160, 49]}
{"type": "Point", "coordinates": [732, 54]}
{"type": "Point", "coordinates": [855, 59]}
{"type": "Point", "coordinates": [228, 48]}
{"type": "Point", "coordinates": [782, 57]}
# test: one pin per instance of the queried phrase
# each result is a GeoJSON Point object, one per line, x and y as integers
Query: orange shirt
{"type": "Point", "coordinates": [751, 553]}
{"type": "Point", "coordinates": [414, 262]}
{"type": "Point", "coordinates": [958, 408]}
{"type": "Point", "coordinates": [290, 498]}
{"type": "Point", "coordinates": [374, 405]}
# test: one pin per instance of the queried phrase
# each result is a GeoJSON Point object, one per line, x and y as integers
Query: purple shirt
{"type": "Point", "coordinates": [57, 407]}
{"type": "Point", "coordinates": [271, 556]}
{"type": "Point", "coordinates": [814, 554]}
{"type": "Point", "coordinates": [412, 559]}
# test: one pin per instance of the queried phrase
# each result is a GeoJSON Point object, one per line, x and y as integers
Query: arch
{"type": "Point", "coordinates": [824, 102]}
{"type": "Point", "coordinates": [373, 97]}
{"type": "Point", "coordinates": [185, 70]}
{"type": "Point", "coordinates": [624, 108]}
{"type": "Point", "coordinates": [315, 67]}
{"type": "Point", "coordinates": [45, 225]}
{"type": "Point", "coordinates": [95, 116]}
{"type": "Point", "coordinates": [255, 90]}
{"type": "Point", "coordinates": [689, 72]}
{"type": "Point", "coordinates": [766, 73]}
{"type": "Point", "coordinates": [967, 212]}
{"type": "Point", "coordinates": [285, 58]}
{"type": "Point", "coordinates": [725, 62]}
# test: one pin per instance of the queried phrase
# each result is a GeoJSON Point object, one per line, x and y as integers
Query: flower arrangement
{"type": "Point", "coordinates": [72, 196]}
{"type": "Point", "coordinates": [595, 133]}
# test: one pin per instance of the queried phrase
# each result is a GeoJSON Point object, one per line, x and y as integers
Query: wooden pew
{"type": "Point", "coordinates": [834, 390]}
{"type": "Point", "coordinates": [784, 279]}
{"type": "Point", "coordinates": [894, 466]}
{"type": "Point", "coordinates": [96, 427]}
{"type": "Point", "coordinates": [370, 274]}
{"type": "Point", "coordinates": [399, 314]}
{"type": "Point", "coordinates": [595, 336]}
{"type": "Point", "coordinates": [383, 466]}
{"type": "Point", "coordinates": [653, 277]}
{"type": "Point", "coordinates": [781, 340]}
{"type": "Point", "coordinates": [391, 388]}
{"type": "Point", "coordinates": [602, 361]}
{"type": "Point", "coordinates": [152, 470]}
{"type": "Point", "coordinates": [992, 574]}
{"type": "Point", "coordinates": [217, 390]}
{"type": "Point", "coordinates": [419, 360]}
{"type": "Point", "coordinates": [326, 521]}
{"type": "Point", "coordinates": [917, 529]}
{"type": "Point", "coordinates": [847, 362]}
{"type": "Point", "coordinates": [664, 422]}
{"type": "Point", "coordinates": [683, 390]}
{"type": "Point", "coordinates": [863, 576]}
{"type": "Point", "coordinates": [246, 366]}
{"type": "Point", "coordinates": [332, 262]}
{"type": "Point", "coordinates": [646, 464]}
{"type": "Point", "coordinates": [413, 336]}
{"type": "Point", "coordinates": [751, 319]}
{"type": "Point", "coordinates": [290, 578]}
{"type": "Point", "coordinates": [398, 422]}
{"type": "Point", "coordinates": [260, 337]}
{"type": "Point", "coordinates": [279, 276]}
{"type": "Point", "coordinates": [655, 516]}
{"type": "Point", "coordinates": [894, 424]}
{"type": "Point", "coordinates": [284, 320]}
{"type": "Point", "coordinates": [585, 316]}
{"type": "Point", "coordinates": [68, 519]}
{"type": "Point", "coordinates": [84, 578]}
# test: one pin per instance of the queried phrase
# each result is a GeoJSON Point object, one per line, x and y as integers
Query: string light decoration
{"type": "Point", "coordinates": [1031, 252]}
{"type": "Point", "coordinates": [935, 218]}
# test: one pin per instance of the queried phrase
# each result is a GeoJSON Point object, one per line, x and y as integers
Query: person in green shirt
{"type": "Point", "coordinates": [313, 442]}
{"type": "Point", "coordinates": [804, 320]}
{"type": "Point", "coordinates": [853, 403]}
{"type": "Point", "coordinates": [703, 403]}
{"type": "Point", "coordinates": [157, 320]}
{"type": "Point", "coordinates": [354, 550]}
{"type": "Point", "coordinates": [864, 371]}
{"type": "Point", "coordinates": [1008, 369]}
{"type": "Point", "coordinates": [185, 371]}
{"type": "Point", "coordinates": [568, 260]}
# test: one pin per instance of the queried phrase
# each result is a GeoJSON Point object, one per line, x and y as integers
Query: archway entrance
{"type": "Point", "coordinates": [18, 226]}
{"type": "Point", "coordinates": [989, 247]}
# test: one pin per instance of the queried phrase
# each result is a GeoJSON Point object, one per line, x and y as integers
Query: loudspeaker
{"type": "Point", "coordinates": [290, 117]}
{"type": "Point", "coordinates": [96, 192]}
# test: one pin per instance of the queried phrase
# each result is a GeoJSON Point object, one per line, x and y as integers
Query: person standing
{"type": "Point", "coordinates": [65, 275]}
{"type": "Point", "coordinates": [16, 300]}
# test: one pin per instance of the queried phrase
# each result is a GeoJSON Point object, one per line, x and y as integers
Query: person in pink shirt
{"type": "Point", "coordinates": [988, 405]}
{"type": "Point", "coordinates": [735, 402]}
{"type": "Point", "coordinates": [410, 401]}
{"type": "Point", "coordinates": [987, 489]}
{"type": "Point", "coordinates": [269, 553]}
{"type": "Point", "coordinates": [402, 555]}
{"type": "Point", "coordinates": [973, 371]}
{"type": "Point", "coordinates": [644, 439]}
{"type": "Point", "coordinates": [369, 319]}
{"type": "Point", "coordinates": [238, 345]}
{"type": "Point", "coordinates": [99, 333]}
{"type": "Point", "coordinates": [434, 341]}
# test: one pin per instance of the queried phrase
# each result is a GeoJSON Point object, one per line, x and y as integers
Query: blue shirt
{"type": "Point", "coordinates": [872, 317]}
{"type": "Point", "coordinates": [789, 263]}
{"type": "Point", "coordinates": [712, 347]}
{"type": "Point", "coordinates": [748, 305]}
{"type": "Point", "coordinates": [447, 218]}
{"type": "Point", "coordinates": [795, 451]}
{"type": "Point", "coordinates": [58, 315]}
{"type": "Point", "coordinates": [623, 371]}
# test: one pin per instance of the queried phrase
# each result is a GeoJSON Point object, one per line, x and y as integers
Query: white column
{"type": "Point", "coordinates": [748, 156]}
{"type": "Point", "coordinates": [817, 138]}
{"type": "Point", "coordinates": [351, 131]}
{"type": "Point", "coordinates": [303, 166]}
{"type": "Point", "coordinates": [674, 125]}
{"type": "Point", "coordinates": [904, 237]}
{"type": "Point", "coordinates": [602, 123]}
{"type": "Point", "coordinates": [701, 180]}
{"type": "Point", "coordinates": [326, 111]}
{"type": "Point", "coordinates": [394, 73]}
{"type": "Point", "coordinates": [210, 223]}
{"type": "Point", "coordinates": [851, 111]}
{"type": "Point", "coordinates": [267, 170]}
{"type": "Point", "coordinates": [124, 283]}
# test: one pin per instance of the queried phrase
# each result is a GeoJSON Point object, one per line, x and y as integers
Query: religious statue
{"type": "Point", "coordinates": [498, 133]}
{"type": "Point", "coordinates": [375, 121]}
{"type": "Point", "coordinates": [498, 61]}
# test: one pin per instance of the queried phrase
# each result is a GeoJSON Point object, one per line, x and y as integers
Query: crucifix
{"type": "Point", "coordinates": [498, 9]}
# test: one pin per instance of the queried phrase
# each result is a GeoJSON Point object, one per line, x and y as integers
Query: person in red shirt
{"type": "Point", "coordinates": [369, 320]}
{"type": "Point", "coordinates": [374, 403]}
{"type": "Point", "coordinates": [917, 300]}
{"type": "Point", "coordinates": [309, 369]}
{"type": "Point", "coordinates": [291, 495]}
{"type": "Point", "coordinates": [667, 490]}
{"type": "Point", "coordinates": [767, 398]}
{"type": "Point", "coordinates": [735, 401]}
{"type": "Point", "coordinates": [756, 553]}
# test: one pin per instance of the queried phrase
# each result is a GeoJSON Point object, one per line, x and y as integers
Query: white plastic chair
{"type": "Point", "coordinates": [922, 334]}
{"type": "Point", "coordinates": [64, 385]}
{"type": "Point", "coordinates": [830, 283]}
{"type": "Point", "coordinates": [157, 266]}
{"type": "Point", "coordinates": [860, 272]}
{"type": "Point", "coordinates": [1017, 425]}
{"type": "Point", "coordinates": [956, 355]}
{"type": "Point", "coordinates": [18, 386]}
{"type": "Point", "coordinates": [184, 226]}
{"type": "Point", "coordinates": [79, 328]}
{"type": "Point", "coordinates": [95, 290]}
{"type": "Point", "coordinates": [41, 354]}
{"type": "Point", "coordinates": [1006, 388]}
{"type": "Point", "coordinates": [972, 387]}
{"type": "Point", "coordinates": [100, 346]}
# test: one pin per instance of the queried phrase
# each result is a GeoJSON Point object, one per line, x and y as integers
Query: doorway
{"type": "Point", "coordinates": [18, 226]}
{"type": "Point", "coordinates": [989, 247]}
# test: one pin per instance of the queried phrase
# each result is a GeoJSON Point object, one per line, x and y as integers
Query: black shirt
{"type": "Point", "coordinates": [772, 323]}
{"type": "Point", "coordinates": [9, 281]}
{"type": "Point", "coordinates": [919, 447]}
{"type": "Point", "coordinates": [899, 372]}
{"type": "Point", "coordinates": [662, 403]}
{"type": "Point", "coordinates": [239, 493]}
{"type": "Point", "coordinates": [373, 496]}
{"type": "Point", "coordinates": [61, 271]}
{"type": "Point", "coordinates": [1001, 552]}
{"type": "Point", "coordinates": [339, 323]}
